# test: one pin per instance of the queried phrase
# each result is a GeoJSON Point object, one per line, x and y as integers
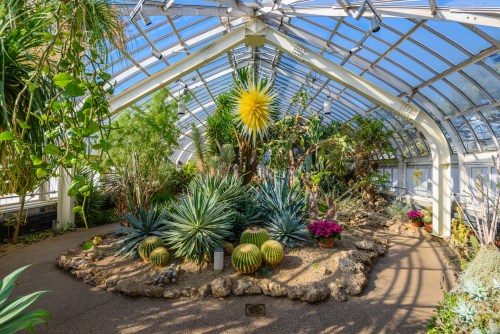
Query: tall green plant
{"type": "Point", "coordinates": [12, 318]}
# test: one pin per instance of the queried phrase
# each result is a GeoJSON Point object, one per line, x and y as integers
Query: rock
{"type": "Point", "coordinates": [221, 287]}
{"type": "Point", "coordinates": [365, 245]}
{"type": "Point", "coordinates": [355, 283]}
{"type": "Point", "coordinates": [203, 291]}
{"type": "Point", "coordinates": [294, 292]}
{"type": "Point", "coordinates": [313, 293]}
{"type": "Point", "coordinates": [188, 292]}
{"type": "Point", "coordinates": [111, 281]}
{"type": "Point", "coordinates": [247, 287]}
{"type": "Point", "coordinates": [153, 291]}
{"type": "Point", "coordinates": [129, 287]}
{"type": "Point", "coordinates": [336, 292]}
{"type": "Point", "coordinates": [171, 293]}
{"type": "Point", "coordinates": [273, 289]}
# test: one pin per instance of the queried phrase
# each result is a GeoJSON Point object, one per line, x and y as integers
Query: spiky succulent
{"type": "Point", "coordinates": [198, 224]}
{"type": "Point", "coordinates": [159, 257]}
{"type": "Point", "coordinates": [254, 235]}
{"type": "Point", "coordinates": [272, 252]}
{"type": "Point", "coordinates": [246, 258]}
{"type": "Point", "coordinates": [147, 245]}
{"type": "Point", "coordinates": [476, 291]}
{"type": "Point", "coordinates": [465, 311]}
{"type": "Point", "coordinates": [287, 229]}
{"type": "Point", "coordinates": [142, 225]}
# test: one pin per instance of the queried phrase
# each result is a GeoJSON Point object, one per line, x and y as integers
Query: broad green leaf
{"type": "Point", "coordinates": [51, 149]}
{"type": "Point", "coordinates": [77, 209]}
{"type": "Point", "coordinates": [7, 284]}
{"type": "Point", "coordinates": [25, 321]}
{"type": "Point", "coordinates": [24, 125]}
{"type": "Point", "coordinates": [41, 173]}
{"type": "Point", "coordinates": [62, 79]}
{"type": "Point", "coordinates": [73, 89]}
{"type": "Point", "coordinates": [88, 245]}
{"type": "Point", "coordinates": [36, 160]}
{"type": "Point", "coordinates": [6, 135]}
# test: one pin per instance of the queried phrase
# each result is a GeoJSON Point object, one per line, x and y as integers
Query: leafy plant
{"type": "Point", "coordinates": [11, 317]}
{"type": "Point", "coordinates": [397, 210]}
{"type": "Point", "coordinates": [198, 224]}
{"type": "Point", "coordinates": [286, 228]}
{"type": "Point", "coordinates": [141, 225]}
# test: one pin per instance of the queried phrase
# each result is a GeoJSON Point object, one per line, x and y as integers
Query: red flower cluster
{"type": "Point", "coordinates": [324, 230]}
{"type": "Point", "coordinates": [415, 216]}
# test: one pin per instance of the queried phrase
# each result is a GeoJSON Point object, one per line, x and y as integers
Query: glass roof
{"type": "Point", "coordinates": [441, 55]}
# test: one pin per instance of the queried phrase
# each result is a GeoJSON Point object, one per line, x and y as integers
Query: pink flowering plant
{"type": "Point", "coordinates": [415, 216]}
{"type": "Point", "coordinates": [324, 230]}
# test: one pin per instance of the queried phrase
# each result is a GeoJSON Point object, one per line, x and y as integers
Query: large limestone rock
{"type": "Point", "coordinates": [245, 286]}
{"type": "Point", "coordinates": [221, 287]}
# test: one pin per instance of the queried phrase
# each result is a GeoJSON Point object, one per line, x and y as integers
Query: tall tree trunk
{"type": "Point", "coordinates": [19, 219]}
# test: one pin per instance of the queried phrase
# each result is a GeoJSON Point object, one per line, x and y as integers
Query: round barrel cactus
{"type": "Point", "coordinates": [246, 258]}
{"type": "Point", "coordinates": [159, 257]}
{"type": "Point", "coordinates": [272, 252]}
{"type": "Point", "coordinates": [147, 245]}
{"type": "Point", "coordinates": [254, 235]}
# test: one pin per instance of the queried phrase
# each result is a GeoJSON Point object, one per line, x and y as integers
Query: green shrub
{"type": "Point", "coordinates": [287, 229]}
{"type": "Point", "coordinates": [159, 257]}
{"type": "Point", "coordinates": [198, 224]}
{"type": "Point", "coordinates": [254, 235]}
{"type": "Point", "coordinates": [144, 224]}
{"type": "Point", "coordinates": [147, 245]}
{"type": "Point", "coordinates": [272, 252]}
{"type": "Point", "coordinates": [12, 319]}
{"type": "Point", "coordinates": [246, 258]}
{"type": "Point", "coordinates": [397, 210]}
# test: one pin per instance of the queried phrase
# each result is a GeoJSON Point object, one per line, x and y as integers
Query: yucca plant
{"type": "Point", "coordinates": [12, 319]}
{"type": "Point", "coordinates": [198, 224]}
{"type": "Point", "coordinates": [142, 225]}
{"type": "Point", "coordinates": [286, 228]}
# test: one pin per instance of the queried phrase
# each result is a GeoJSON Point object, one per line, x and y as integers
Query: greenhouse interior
{"type": "Point", "coordinates": [250, 166]}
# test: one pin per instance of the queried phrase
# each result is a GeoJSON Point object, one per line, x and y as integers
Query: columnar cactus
{"type": "Point", "coordinates": [254, 235]}
{"type": "Point", "coordinates": [272, 252]}
{"type": "Point", "coordinates": [147, 245]}
{"type": "Point", "coordinates": [246, 258]}
{"type": "Point", "coordinates": [159, 257]}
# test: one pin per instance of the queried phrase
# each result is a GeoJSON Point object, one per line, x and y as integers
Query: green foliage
{"type": "Point", "coordinates": [200, 150]}
{"type": "Point", "coordinates": [159, 257]}
{"type": "Point", "coordinates": [221, 124]}
{"type": "Point", "coordinates": [12, 318]}
{"type": "Point", "coordinates": [198, 224]}
{"type": "Point", "coordinates": [255, 236]}
{"type": "Point", "coordinates": [287, 228]}
{"type": "Point", "coordinates": [147, 245]}
{"type": "Point", "coordinates": [272, 252]}
{"type": "Point", "coordinates": [246, 258]}
{"type": "Point", "coordinates": [484, 268]}
{"type": "Point", "coordinates": [427, 216]}
{"type": "Point", "coordinates": [143, 224]}
{"type": "Point", "coordinates": [397, 210]}
{"type": "Point", "coordinates": [471, 309]}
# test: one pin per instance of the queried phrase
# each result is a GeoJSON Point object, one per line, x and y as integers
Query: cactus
{"type": "Point", "coordinates": [254, 235]}
{"type": "Point", "coordinates": [272, 252]}
{"type": "Point", "coordinates": [159, 257]}
{"type": "Point", "coordinates": [246, 258]}
{"type": "Point", "coordinates": [147, 245]}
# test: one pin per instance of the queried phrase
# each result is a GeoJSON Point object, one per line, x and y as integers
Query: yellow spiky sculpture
{"type": "Point", "coordinates": [253, 108]}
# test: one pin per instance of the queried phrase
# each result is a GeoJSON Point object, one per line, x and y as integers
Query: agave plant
{"type": "Point", "coordinates": [286, 228]}
{"type": "Point", "coordinates": [228, 189]}
{"type": "Point", "coordinates": [198, 224]}
{"type": "Point", "coordinates": [11, 317]}
{"type": "Point", "coordinates": [142, 225]}
{"type": "Point", "coordinates": [276, 195]}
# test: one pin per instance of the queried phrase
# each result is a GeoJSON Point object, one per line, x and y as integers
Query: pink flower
{"type": "Point", "coordinates": [325, 230]}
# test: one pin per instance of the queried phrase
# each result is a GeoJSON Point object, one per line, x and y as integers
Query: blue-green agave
{"type": "Point", "coordinates": [286, 228]}
{"type": "Point", "coordinates": [12, 318]}
{"type": "Point", "coordinates": [142, 225]}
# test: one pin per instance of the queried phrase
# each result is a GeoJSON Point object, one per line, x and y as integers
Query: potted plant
{"type": "Point", "coordinates": [416, 217]}
{"type": "Point", "coordinates": [427, 220]}
{"type": "Point", "coordinates": [325, 232]}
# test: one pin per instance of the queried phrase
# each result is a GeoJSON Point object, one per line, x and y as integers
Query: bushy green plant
{"type": "Point", "coordinates": [198, 224]}
{"type": "Point", "coordinates": [397, 210]}
{"type": "Point", "coordinates": [142, 225]}
{"type": "Point", "coordinates": [12, 319]}
{"type": "Point", "coordinates": [286, 228]}
{"type": "Point", "coordinates": [246, 258]}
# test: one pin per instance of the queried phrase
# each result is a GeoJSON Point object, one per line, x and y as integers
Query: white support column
{"type": "Point", "coordinates": [65, 204]}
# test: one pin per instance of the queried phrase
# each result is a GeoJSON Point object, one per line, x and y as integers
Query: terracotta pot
{"type": "Point", "coordinates": [417, 224]}
{"type": "Point", "coordinates": [428, 227]}
{"type": "Point", "coordinates": [326, 244]}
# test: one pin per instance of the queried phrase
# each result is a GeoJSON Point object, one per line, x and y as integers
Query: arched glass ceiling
{"type": "Point", "coordinates": [441, 55]}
